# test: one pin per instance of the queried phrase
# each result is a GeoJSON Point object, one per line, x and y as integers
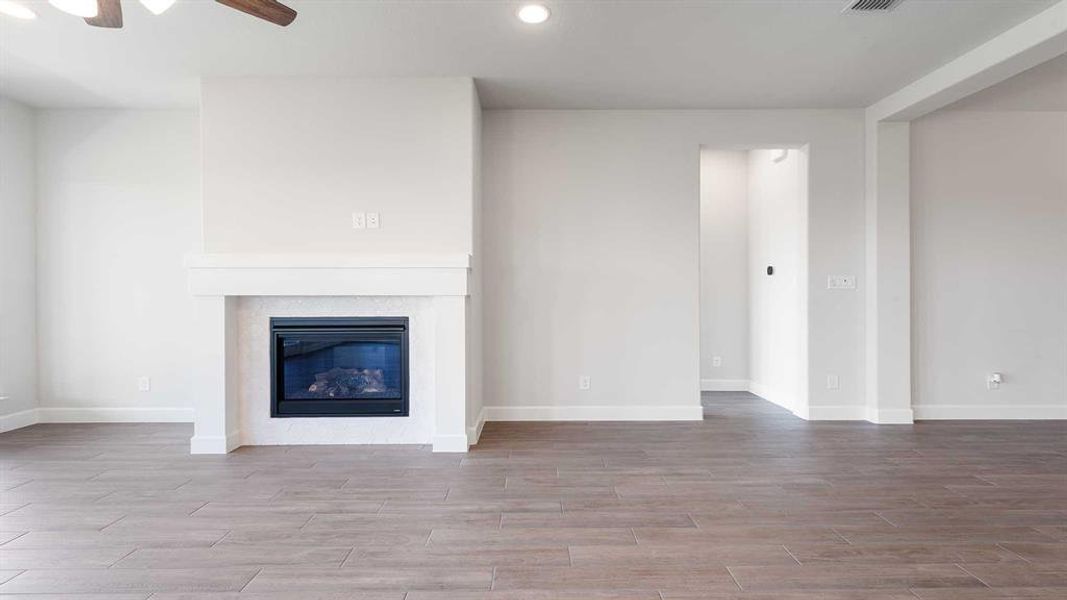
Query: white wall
{"type": "Point", "coordinates": [591, 246]}
{"type": "Point", "coordinates": [287, 162]}
{"type": "Point", "coordinates": [989, 263]}
{"type": "Point", "coordinates": [724, 268]}
{"type": "Point", "coordinates": [18, 335]}
{"type": "Point", "coordinates": [592, 254]}
{"type": "Point", "coordinates": [118, 208]}
{"type": "Point", "coordinates": [775, 233]}
{"type": "Point", "coordinates": [475, 303]}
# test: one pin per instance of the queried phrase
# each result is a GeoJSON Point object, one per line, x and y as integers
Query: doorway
{"type": "Point", "coordinates": [754, 274]}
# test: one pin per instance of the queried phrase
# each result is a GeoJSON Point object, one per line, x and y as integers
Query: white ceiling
{"type": "Point", "coordinates": [591, 54]}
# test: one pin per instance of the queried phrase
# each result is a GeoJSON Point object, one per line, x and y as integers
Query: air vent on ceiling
{"type": "Point", "coordinates": [869, 6]}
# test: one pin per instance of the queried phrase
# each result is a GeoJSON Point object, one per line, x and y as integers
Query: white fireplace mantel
{"type": "Point", "coordinates": [217, 280]}
{"type": "Point", "coordinates": [327, 275]}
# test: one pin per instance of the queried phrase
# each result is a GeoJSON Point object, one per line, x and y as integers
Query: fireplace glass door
{"type": "Point", "coordinates": [331, 367]}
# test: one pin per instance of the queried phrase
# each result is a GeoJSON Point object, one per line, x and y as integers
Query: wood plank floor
{"type": "Point", "coordinates": [752, 503]}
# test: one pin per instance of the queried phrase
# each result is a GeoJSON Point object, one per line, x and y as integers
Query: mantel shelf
{"type": "Point", "coordinates": [328, 274]}
{"type": "Point", "coordinates": [326, 261]}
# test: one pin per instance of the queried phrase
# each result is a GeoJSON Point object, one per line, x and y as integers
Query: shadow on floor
{"type": "Point", "coordinates": [741, 405]}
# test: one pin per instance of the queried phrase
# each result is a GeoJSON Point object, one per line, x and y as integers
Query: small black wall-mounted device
{"type": "Point", "coordinates": [770, 270]}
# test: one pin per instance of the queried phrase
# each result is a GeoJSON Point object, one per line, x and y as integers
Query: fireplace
{"type": "Point", "coordinates": [339, 367]}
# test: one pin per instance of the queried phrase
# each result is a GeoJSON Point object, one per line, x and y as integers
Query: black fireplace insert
{"type": "Point", "coordinates": [339, 367]}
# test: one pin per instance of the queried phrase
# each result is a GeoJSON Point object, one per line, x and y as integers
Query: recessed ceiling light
{"type": "Point", "coordinates": [14, 9]}
{"type": "Point", "coordinates": [533, 14]}
{"type": "Point", "coordinates": [157, 7]}
{"type": "Point", "coordinates": [79, 8]}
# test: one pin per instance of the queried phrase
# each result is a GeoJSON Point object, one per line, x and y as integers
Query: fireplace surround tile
{"type": "Point", "coordinates": [253, 343]}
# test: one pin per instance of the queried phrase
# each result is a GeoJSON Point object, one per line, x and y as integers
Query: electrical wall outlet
{"type": "Point", "coordinates": [993, 381]}
{"type": "Point", "coordinates": [144, 384]}
{"type": "Point", "coordinates": [374, 220]}
{"type": "Point", "coordinates": [359, 220]}
{"type": "Point", "coordinates": [841, 282]}
{"type": "Point", "coordinates": [833, 382]}
{"type": "Point", "coordinates": [584, 382]}
{"type": "Point", "coordinates": [716, 361]}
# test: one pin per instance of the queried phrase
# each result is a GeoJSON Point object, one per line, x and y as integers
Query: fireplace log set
{"type": "Point", "coordinates": [345, 383]}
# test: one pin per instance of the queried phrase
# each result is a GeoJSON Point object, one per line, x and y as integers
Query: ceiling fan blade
{"type": "Point", "coordinates": [268, 10]}
{"type": "Point", "coordinates": [109, 14]}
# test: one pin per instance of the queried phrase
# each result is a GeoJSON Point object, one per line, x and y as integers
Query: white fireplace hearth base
{"type": "Point", "coordinates": [235, 296]}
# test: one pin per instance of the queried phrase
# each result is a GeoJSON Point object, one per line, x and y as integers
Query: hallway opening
{"type": "Point", "coordinates": [753, 273]}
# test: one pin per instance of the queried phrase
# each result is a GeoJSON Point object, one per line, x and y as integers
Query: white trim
{"type": "Point", "coordinates": [114, 415]}
{"type": "Point", "coordinates": [887, 256]}
{"type": "Point", "coordinates": [19, 420]}
{"type": "Point", "coordinates": [991, 412]}
{"type": "Point", "coordinates": [890, 416]}
{"type": "Point", "coordinates": [761, 390]}
{"type": "Point", "coordinates": [724, 385]}
{"type": "Point", "coordinates": [773, 396]}
{"type": "Point", "coordinates": [1028, 44]}
{"type": "Point", "coordinates": [73, 414]}
{"type": "Point", "coordinates": [595, 413]}
{"type": "Point", "coordinates": [474, 432]}
{"type": "Point", "coordinates": [835, 413]}
{"type": "Point", "coordinates": [450, 443]}
{"type": "Point", "coordinates": [215, 444]}
{"type": "Point", "coordinates": [407, 281]}
{"type": "Point", "coordinates": [845, 412]}
{"type": "Point", "coordinates": [326, 261]}
{"type": "Point", "coordinates": [803, 396]}
{"type": "Point", "coordinates": [326, 275]}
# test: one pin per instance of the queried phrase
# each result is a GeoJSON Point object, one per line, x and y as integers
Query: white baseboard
{"type": "Point", "coordinates": [450, 443]}
{"type": "Point", "coordinates": [215, 444]}
{"type": "Point", "coordinates": [771, 395]}
{"type": "Point", "coordinates": [474, 432]}
{"type": "Point", "coordinates": [830, 413]}
{"type": "Point", "coordinates": [18, 420]}
{"type": "Point", "coordinates": [724, 385]}
{"type": "Point", "coordinates": [114, 415]}
{"type": "Point", "coordinates": [48, 414]}
{"type": "Point", "coordinates": [835, 413]}
{"type": "Point", "coordinates": [595, 413]}
{"type": "Point", "coordinates": [1035, 412]}
{"type": "Point", "coordinates": [891, 416]}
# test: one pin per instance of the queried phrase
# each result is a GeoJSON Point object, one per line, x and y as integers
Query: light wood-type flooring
{"type": "Point", "coordinates": [750, 503]}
